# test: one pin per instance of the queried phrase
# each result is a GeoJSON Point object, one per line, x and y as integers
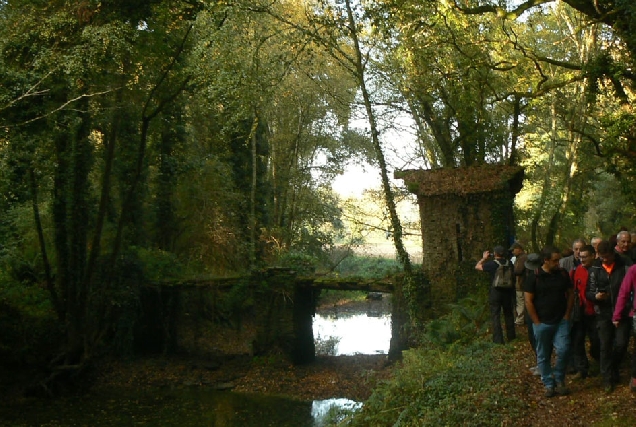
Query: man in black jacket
{"type": "Point", "coordinates": [603, 285]}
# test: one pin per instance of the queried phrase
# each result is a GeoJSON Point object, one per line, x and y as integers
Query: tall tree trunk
{"type": "Point", "coordinates": [253, 224]}
{"type": "Point", "coordinates": [50, 284]}
{"type": "Point", "coordinates": [547, 184]}
{"type": "Point", "coordinates": [403, 255]}
{"type": "Point", "coordinates": [516, 112]}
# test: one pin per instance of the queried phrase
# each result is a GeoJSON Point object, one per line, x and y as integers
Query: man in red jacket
{"type": "Point", "coordinates": [583, 316]}
{"type": "Point", "coordinates": [628, 287]}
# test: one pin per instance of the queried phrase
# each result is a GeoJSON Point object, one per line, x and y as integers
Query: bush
{"type": "Point", "coordinates": [158, 265]}
{"type": "Point", "coordinates": [467, 320]}
{"type": "Point", "coordinates": [448, 388]}
{"type": "Point", "coordinates": [455, 377]}
{"type": "Point", "coordinates": [368, 267]}
{"type": "Point", "coordinates": [303, 264]}
{"type": "Point", "coordinates": [28, 324]}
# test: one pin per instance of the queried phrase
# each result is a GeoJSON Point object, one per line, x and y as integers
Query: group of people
{"type": "Point", "coordinates": [566, 300]}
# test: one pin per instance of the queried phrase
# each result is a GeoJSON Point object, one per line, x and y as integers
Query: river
{"type": "Point", "coordinates": [365, 330]}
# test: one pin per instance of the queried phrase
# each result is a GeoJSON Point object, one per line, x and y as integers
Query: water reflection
{"type": "Point", "coordinates": [182, 407]}
{"type": "Point", "coordinates": [324, 411]}
{"type": "Point", "coordinates": [355, 334]}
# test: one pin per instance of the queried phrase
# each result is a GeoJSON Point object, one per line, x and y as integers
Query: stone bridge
{"type": "Point", "coordinates": [269, 310]}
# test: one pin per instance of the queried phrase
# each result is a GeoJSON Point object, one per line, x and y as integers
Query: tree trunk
{"type": "Point", "coordinates": [403, 255]}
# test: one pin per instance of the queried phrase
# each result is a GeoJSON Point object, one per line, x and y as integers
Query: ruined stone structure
{"type": "Point", "coordinates": [269, 311]}
{"type": "Point", "coordinates": [463, 211]}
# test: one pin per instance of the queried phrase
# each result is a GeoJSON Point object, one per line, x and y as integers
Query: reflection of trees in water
{"type": "Point", "coordinates": [380, 306]}
{"type": "Point", "coordinates": [326, 346]}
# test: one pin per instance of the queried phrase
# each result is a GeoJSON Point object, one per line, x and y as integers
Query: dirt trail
{"type": "Point", "coordinates": [587, 405]}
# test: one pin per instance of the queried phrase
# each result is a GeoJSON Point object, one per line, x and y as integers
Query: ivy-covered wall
{"type": "Point", "coordinates": [463, 212]}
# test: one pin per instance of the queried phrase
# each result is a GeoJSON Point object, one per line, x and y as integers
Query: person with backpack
{"type": "Point", "coordinates": [501, 294]}
{"type": "Point", "coordinates": [549, 298]}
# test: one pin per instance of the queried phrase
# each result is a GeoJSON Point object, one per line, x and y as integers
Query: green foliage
{"type": "Point", "coordinates": [158, 264]}
{"type": "Point", "coordinates": [28, 325]}
{"type": "Point", "coordinates": [467, 320]}
{"type": "Point", "coordinates": [367, 267]}
{"type": "Point", "coordinates": [300, 262]}
{"type": "Point", "coordinates": [464, 385]}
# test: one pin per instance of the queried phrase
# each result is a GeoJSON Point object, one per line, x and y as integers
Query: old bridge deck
{"type": "Point", "coordinates": [386, 285]}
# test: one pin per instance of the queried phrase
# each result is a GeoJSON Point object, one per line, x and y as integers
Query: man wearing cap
{"type": "Point", "coordinates": [549, 299]}
{"type": "Point", "coordinates": [520, 270]}
{"type": "Point", "coordinates": [499, 298]}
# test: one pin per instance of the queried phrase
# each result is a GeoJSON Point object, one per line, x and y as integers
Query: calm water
{"type": "Point", "coordinates": [183, 407]}
{"type": "Point", "coordinates": [354, 333]}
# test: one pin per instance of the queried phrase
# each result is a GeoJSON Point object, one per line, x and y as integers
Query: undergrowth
{"type": "Point", "coordinates": [456, 377]}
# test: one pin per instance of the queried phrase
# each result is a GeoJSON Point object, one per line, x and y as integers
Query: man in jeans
{"type": "Point", "coordinates": [549, 299]}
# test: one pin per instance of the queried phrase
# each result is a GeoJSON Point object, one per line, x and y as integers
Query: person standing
{"type": "Point", "coordinates": [549, 297]}
{"type": "Point", "coordinates": [603, 288]}
{"type": "Point", "coordinates": [519, 273]}
{"type": "Point", "coordinates": [499, 297]}
{"type": "Point", "coordinates": [569, 263]}
{"type": "Point", "coordinates": [628, 287]}
{"type": "Point", "coordinates": [583, 316]}
{"type": "Point", "coordinates": [623, 246]}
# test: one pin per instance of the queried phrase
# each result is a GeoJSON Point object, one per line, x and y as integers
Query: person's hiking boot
{"type": "Point", "coordinates": [549, 392]}
{"type": "Point", "coordinates": [632, 384]}
{"type": "Point", "coordinates": [562, 390]}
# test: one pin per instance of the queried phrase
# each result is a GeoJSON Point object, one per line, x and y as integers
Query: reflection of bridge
{"type": "Point", "coordinates": [281, 310]}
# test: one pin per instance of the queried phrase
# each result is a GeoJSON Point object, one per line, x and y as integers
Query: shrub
{"type": "Point", "coordinates": [448, 388]}
{"type": "Point", "coordinates": [28, 325]}
{"type": "Point", "coordinates": [367, 267]}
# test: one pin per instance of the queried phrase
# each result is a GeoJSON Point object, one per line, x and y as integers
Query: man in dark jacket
{"type": "Point", "coordinates": [549, 298]}
{"type": "Point", "coordinates": [603, 286]}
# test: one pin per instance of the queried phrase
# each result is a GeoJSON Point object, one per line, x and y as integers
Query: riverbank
{"type": "Point", "coordinates": [351, 377]}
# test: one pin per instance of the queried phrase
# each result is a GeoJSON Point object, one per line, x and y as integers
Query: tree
{"type": "Point", "coordinates": [78, 72]}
